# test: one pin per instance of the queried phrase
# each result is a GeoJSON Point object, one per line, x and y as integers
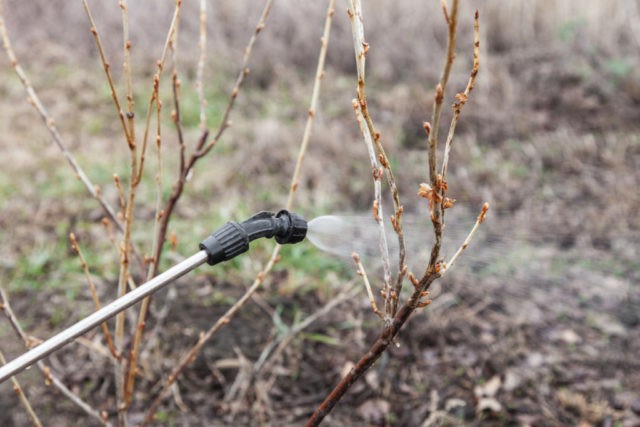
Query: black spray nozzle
{"type": "Point", "coordinates": [232, 239]}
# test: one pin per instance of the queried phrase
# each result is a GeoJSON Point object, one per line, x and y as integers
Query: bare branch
{"type": "Point", "coordinates": [434, 192]}
{"type": "Point", "coordinates": [313, 104]}
{"type": "Point", "coordinates": [465, 244]}
{"type": "Point", "coordinates": [437, 181]}
{"type": "Point", "coordinates": [107, 71]}
{"type": "Point", "coordinates": [23, 397]}
{"type": "Point", "coordinates": [170, 43]}
{"type": "Point", "coordinates": [361, 272]}
{"type": "Point", "coordinates": [202, 46]}
{"type": "Point", "coordinates": [126, 48]}
{"type": "Point", "coordinates": [462, 98]}
{"type": "Point", "coordinates": [244, 72]}
{"type": "Point", "coordinates": [94, 293]}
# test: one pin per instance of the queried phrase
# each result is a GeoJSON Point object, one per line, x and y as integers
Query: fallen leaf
{"type": "Point", "coordinates": [374, 411]}
{"type": "Point", "coordinates": [490, 388]}
{"type": "Point", "coordinates": [489, 404]}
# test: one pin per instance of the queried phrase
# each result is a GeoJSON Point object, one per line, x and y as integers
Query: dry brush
{"type": "Point", "coordinates": [138, 263]}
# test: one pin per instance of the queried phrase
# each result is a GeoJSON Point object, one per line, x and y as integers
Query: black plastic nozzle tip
{"type": "Point", "coordinates": [295, 228]}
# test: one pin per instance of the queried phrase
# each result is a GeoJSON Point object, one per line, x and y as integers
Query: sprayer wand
{"type": "Point", "coordinates": [227, 242]}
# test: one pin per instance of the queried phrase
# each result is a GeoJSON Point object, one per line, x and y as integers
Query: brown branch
{"type": "Point", "coordinates": [462, 98]}
{"type": "Point", "coordinates": [107, 71]}
{"type": "Point", "coordinates": [154, 98]}
{"type": "Point", "coordinates": [126, 65]}
{"type": "Point", "coordinates": [94, 293]}
{"type": "Point", "coordinates": [202, 151]}
{"type": "Point", "coordinates": [170, 43]}
{"type": "Point", "coordinates": [313, 104]}
{"type": "Point", "coordinates": [437, 182]}
{"type": "Point", "coordinates": [375, 351]}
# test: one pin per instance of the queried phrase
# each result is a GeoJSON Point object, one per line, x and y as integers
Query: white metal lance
{"type": "Point", "coordinates": [225, 243]}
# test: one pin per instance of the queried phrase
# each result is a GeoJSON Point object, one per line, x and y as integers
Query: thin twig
{"type": "Point", "coordinates": [170, 43]}
{"type": "Point", "coordinates": [23, 397]}
{"type": "Point", "coordinates": [175, 115]}
{"type": "Point", "coordinates": [34, 100]}
{"type": "Point", "coordinates": [107, 71]}
{"type": "Point", "coordinates": [94, 293]}
{"type": "Point", "coordinates": [437, 182]}
{"type": "Point", "coordinates": [50, 377]}
{"type": "Point", "coordinates": [465, 244]}
{"type": "Point", "coordinates": [361, 272]}
{"type": "Point", "coordinates": [202, 58]}
{"type": "Point", "coordinates": [126, 65]}
{"type": "Point", "coordinates": [452, 23]}
{"type": "Point", "coordinates": [173, 28]}
{"type": "Point", "coordinates": [462, 98]}
{"type": "Point", "coordinates": [224, 123]}
{"type": "Point", "coordinates": [275, 256]}
{"type": "Point", "coordinates": [313, 104]}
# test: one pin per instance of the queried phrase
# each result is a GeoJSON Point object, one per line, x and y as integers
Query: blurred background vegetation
{"type": "Point", "coordinates": [550, 137]}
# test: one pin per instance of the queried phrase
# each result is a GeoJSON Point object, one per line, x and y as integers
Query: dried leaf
{"type": "Point", "coordinates": [489, 404]}
{"type": "Point", "coordinates": [490, 388]}
{"type": "Point", "coordinates": [374, 411]}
